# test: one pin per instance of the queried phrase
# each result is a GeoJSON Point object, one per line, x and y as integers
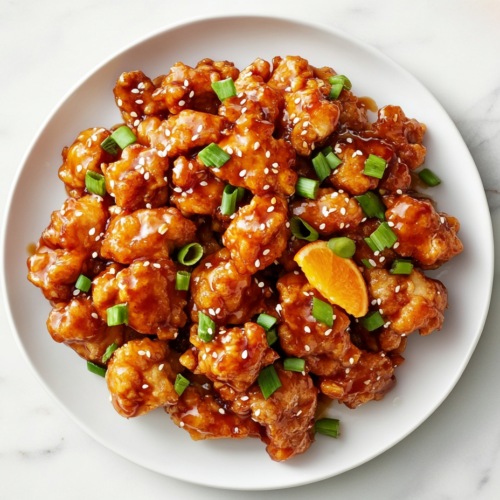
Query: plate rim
{"type": "Point", "coordinates": [489, 247]}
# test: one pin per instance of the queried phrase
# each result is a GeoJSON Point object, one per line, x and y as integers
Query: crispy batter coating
{"type": "Point", "coordinates": [408, 302]}
{"type": "Point", "coordinates": [423, 234]}
{"type": "Point", "coordinates": [287, 415]}
{"type": "Point", "coordinates": [222, 293]}
{"type": "Point", "coordinates": [234, 357]}
{"type": "Point", "coordinates": [148, 288]}
{"type": "Point", "coordinates": [287, 259]}
{"type": "Point", "coordinates": [258, 234]}
{"type": "Point", "coordinates": [354, 152]}
{"type": "Point", "coordinates": [289, 70]}
{"type": "Point", "coordinates": [191, 88]}
{"type": "Point", "coordinates": [134, 97]}
{"type": "Point", "coordinates": [396, 178]}
{"type": "Point", "coordinates": [330, 212]}
{"type": "Point", "coordinates": [353, 115]}
{"type": "Point", "coordinates": [197, 190]}
{"type": "Point", "coordinates": [149, 234]}
{"type": "Point", "coordinates": [77, 324]}
{"type": "Point", "coordinates": [140, 378]}
{"type": "Point", "coordinates": [137, 179]}
{"type": "Point", "coordinates": [84, 154]}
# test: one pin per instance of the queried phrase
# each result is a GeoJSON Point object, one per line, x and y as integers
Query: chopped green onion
{"type": "Point", "coordinates": [372, 321]}
{"type": "Point", "coordinates": [95, 183]}
{"type": "Point", "coordinates": [269, 381]}
{"type": "Point", "coordinates": [180, 384]}
{"type": "Point", "coordinates": [372, 205]}
{"type": "Point", "coordinates": [123, 136]}
{"type": "Point", "coordinates": [83, 283]}
{"type": "Point", "coordinates": [206, 328]}
{"type": "Point", "coordinates": [271, 336]}
{"type": "Point", "coordinates": [333, 160]}
{"type": "Point", "coordinates": [307, 188]}
{"type": "Point", "coordinates": [117, 315]}
{"type": "Point", "coordinates": [294, 364]}
{"type": "Point", "coordinates": [302, 230]}
{"type": "Point", "coordinates": [335, 90]}
{"type": "Point", "coordinates": [224, 88]}
{"type": "Point", "coordinates": [429, 177]}
{"type": "Point", "coordinates": [327, 426]}
{"type": "Point", "coordinates": [321, 167]}
{"type": "Point", "coordinates": [341, 79]}
{"type": "Point", "coordinates": [213, 156]}
{"type": "Point", "coordinates": [109, 351]}
{"type": "Point", "coordinates": [375, 166]}
{"type": "Point", "coordinates": [372, 245]}
{"type": "Point", "coordinates": [109, 145]}
{"type": "Point", "coordinates": [322, 312]}
{"type": "Point", "coordinates": [401, 266]}
{"type": "Point", "coordinates": [182, 279]}
{"type": "Point", "coordinates": [383, 237]}
{"type": "Point", "coordinates": [196, 252]}
{"type": "Point", "coordinates": [241, 193]}
{"type": "Point", "coordinates": [367, 264]}
{"type": "Point", "coordinates": [229, 199]}
{"type": "Point", "coordinates": [343, 247]}
{"type": "Point", "coordinates": [98, 370]}
{"type": "Point", "coordinates": [327, 150]}
{"type": "Point", "coordinates": [266, 321]}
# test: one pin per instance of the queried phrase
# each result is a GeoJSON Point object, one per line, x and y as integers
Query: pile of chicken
{"type": "Point", "coordinates": [161, 196]}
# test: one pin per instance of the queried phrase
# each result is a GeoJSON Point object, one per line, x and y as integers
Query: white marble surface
{"type": "Point", "coordinates": [450, 45]}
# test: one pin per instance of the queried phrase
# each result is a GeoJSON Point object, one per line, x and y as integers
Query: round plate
{"type": "Point", "coordinates": [433, 364]}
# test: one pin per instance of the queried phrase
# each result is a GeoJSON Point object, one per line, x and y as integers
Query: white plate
{"type": "Point", "coordinates": [433, 364]}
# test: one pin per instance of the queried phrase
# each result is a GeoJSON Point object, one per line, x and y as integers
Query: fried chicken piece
{"type": "Point", "coordinates": [423, 234]}
{"type": "Point", "coordinates": [199, 413]}
{"type": "Point", "coordinates": [405, 134]}
{"type": "Point", "coordinates": [330, 212]}
{"type": "Point", "coordinates": [150, 234]}
{"type": "Point", "coordinates": [234, 357]}
{"type": "Point", "coordinates": [299, 332]}
{"type": "Point", "coordinates": [85, 154]}
{"type": "Point", "coordinates": [407, 302]}
{"type": "Point", "coordinates": [137, 179]}
{"type": "Point", "coordinates": [78, 225]}
{"type": "Point", "coordinates": [287, 415]}
{"type": "Point", "coordinates": [396, 178]}
{"type": "Point", "coordinates": [77, 324]}
{"type": "Point", "coordinates": [140, 378]}
{"type": "Point", "coordinates": [287, 259]}
{"type": "Point", "coordinates": [205, 236]}
{"type": "Point", "coordinates": [134, 97]}
{"type": "Point", "coordinates": [155, 307]}
{"type": "Point", "coordinates": [223, 294]}
{"type": "Point", "coordinates": [258, 234]}
{"type": "Point", "coordinates": [191, 88]}
{"type": "Point", "coordinates": [353, 115]}
{"type": "Point", "coordinates": [197, 190]}
{"type": "Point", "coordinates": [354, 152]}
{"type": "Point", "coordinates": [288, 70]}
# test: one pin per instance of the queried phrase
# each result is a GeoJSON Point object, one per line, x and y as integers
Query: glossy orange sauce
{"type": "Point", "coordinates": [368, 103]}
{"type": "Point", "coordinates": [31, 249]}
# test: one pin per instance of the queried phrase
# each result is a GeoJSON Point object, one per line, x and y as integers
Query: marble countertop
{"type": "Point", "coordinates": [450, 45]}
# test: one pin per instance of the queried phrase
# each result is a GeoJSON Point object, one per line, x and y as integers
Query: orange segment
{"type": "Point", "coordinates": [337, 279]}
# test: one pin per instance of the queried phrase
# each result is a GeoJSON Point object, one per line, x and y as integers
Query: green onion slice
{"type": "Point", "coordinates": [372, 245]}
{"type": "Point", "coordinates": [372, 205]}
{"type": "Point", "coordinates": [213, 156]}
{"type": "Point", "coordinates": [307, 188]}
{"type": "Point", "coordinates": [401, 266]}
{"type": "Point", "coordinates": [109, 145]}
{"type": "Point", "coordinates": [333, 160]}
{"type": "Point", "coordinates": [367, 264]}
{"type": "Point", "coordinates": [190, 254]}
{"type": "Point", "coordinates": [95, 183]}
{"type": "Point", "coordinates": [83, 283]}
{"type": "Point", "coordinates": [241, 193]}
{"type": "Point", "coordinates": [327, 150]}
{"type": "Point", "coordinates": [341, 79]}
{"type": "Point", "coordinates": [372, 321]}
{"type": "Point", "coordinates": [98, 370]}
{"type": "Point", "coordinates": [123, 136]}
{"type": "Point", "coordinates": [269, 381]}
{"type": "Point", "coordinates": [224, 88]}
{"type": "Point", "coordinates": [321, 167]}
{"type": "Point", "coordinates": [206, 328]}
{"type": "Point", "coordinates": [109, 351]}
{"type": "Point", "coordinates": [294, 364]}
{"type": "Point", "coordinates": [383, 237]}
{"type": "Point", "coordinates": [182, 279]}
{"type": "Point", "coordinates": [343, 247]}
{"type": "Point", "coordinates": [327, 426]}
{"type": "Point", "coordinates": [266, 321]}
{"type": "Point", "coordinates": [271, 336]}
{"type": "Point", "coordinates": [302, 230]}
{"type": "Point", "coordinates": [180, 384]}
{"type": "Point", "coordinates": [229, 199]}
{"type": "Point", "coordinates": [429, 177]}
{"type": "Point", "coordinates": [335, 90]}
{"type": "Point", "coordinates": [375, 166]}
{"type": "Point", "coordinates": [117, 315]}
{"type": "Point", "coordinates": [322, 312]}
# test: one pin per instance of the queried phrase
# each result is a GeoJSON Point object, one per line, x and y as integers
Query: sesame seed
{"type": "Point", "coordinates": [244, 355]}
{"type": "Point", "coordinates": [266, 251]}
{"type": "Point", "coordinates": [134, 114]}
{"type": "Point", "coordinates": [262, 227]}
{"type": "Point", "coordinates": [296, 101]}
{"type": "Point", "coordinates": [76, 292]}
{"type": "Point", "coordinates": [342, 211]}
{"type": "Point", "coordinates": [203, 183]}
{"type": "Point", "coordinates": [163, 229]}
{"type": "Point", "coordinates": [181, 103]}
{"type": "Point", "coordinates": [221, 411]}
{"type": "Point", "coordinates": [112, 270]}
{"type": "Point", "coordinates": [211, 312]}
{"type": "Point", "coordinates": [322, 226]}
{"type": "Point", "coordinates": [257, 263]}
{"type": "Point", "coordinates": [381, 259]}
{"type": "Point", "coordinates": [148, 205]}
{"type": "Point", "coordinates": [243, 110]}
{"type": "Point", "coordinates": [214, 354]}
{"type": "Point", "coordinates": [120, 102]}
{"type": "Point", "coordinates": [146, 264]}
{"type": "Point", "coordinates": [349, 140]}
{"type": "Point", "coordinates": [397, 289]}
{"type": "Point", "coordinates": [195, 137]}
{"type": "Point", "coordinates": [399, 191]}
{"type": "Point", "coordinates": [92, 231]}
{"type": "Point", "coordinates": [307, 348]}
{"type": "Point", "coordinates": [186, 83]}
{"type": "Point", "coordinates": [296, 120]}
{"type": "Point", "coordinates": [135, 91]}
{"type": "Point", "coordinates": [268, 154]}
{"type": "Point", "coordinates": [145, 386]}
{"type": "Point", "coordinates": [381, 311]}
{"type": "Point", "coordinates": [396, 244]}
{"type": "Point", "coordinates": [158, 266]}
{"type": "Point", "coordinates": [443, 220]}
{"type": "Point", "coordinates": [304, 144]}
{"type": "Point", "coordinates": [204, 357]}
{"type": "Point", "coordinates": [146, 175]}
{"type": "Point", "coordinates": [304, 132]}
{"type": "Point", "coordinates": [256, 146]}
{"type": "Point", "coordinates": [351, 360]}
{"type": "Point", "coordinates": [141, 353]}
{"type": "Point", "coordinates": [139, 101]}
{"type": "Point", "coordinates": [307, 329]}
{"type": "Point", "coordinates": [239, 153]}
{"type": "Point", "coordinates": [136, 123]}
{"type": "Point", "coordinates": [328, 332]}
{"type": "Point", "coordinates": [243, 173]}
{"type": "Point", "coordinates": [167, 132]}
{"type": "Point", "coordinates": [266, 187]}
